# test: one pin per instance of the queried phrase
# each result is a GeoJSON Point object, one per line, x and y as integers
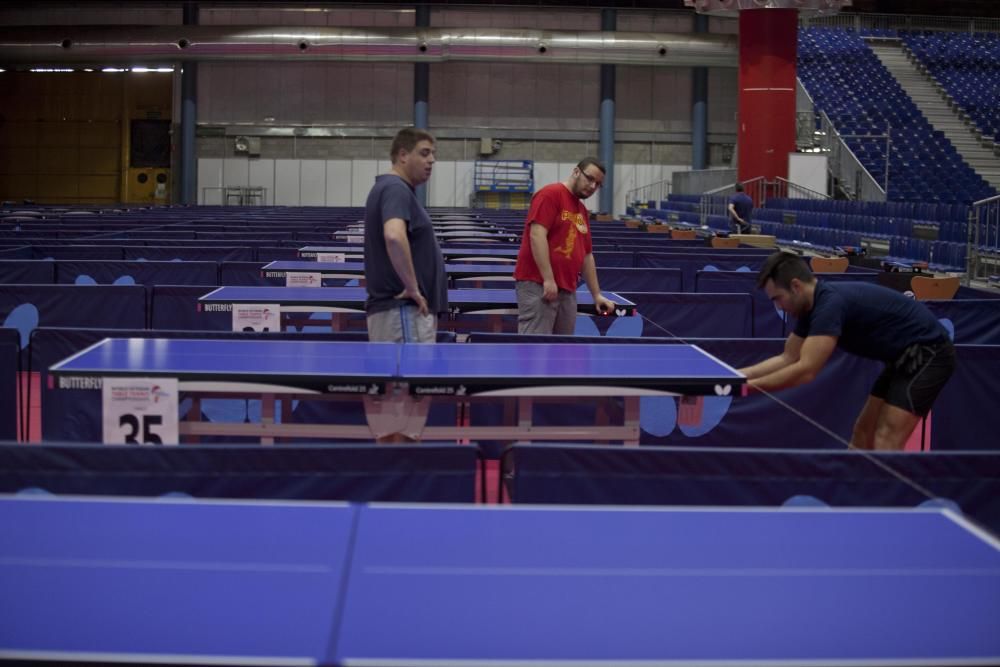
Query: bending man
{"type": "Point", "coordinates": [867, 320]}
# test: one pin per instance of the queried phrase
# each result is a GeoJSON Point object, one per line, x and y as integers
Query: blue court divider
{"type": "Point", "coordinates": [974, 321]}
{"type": "Point", "coordinates": [10, 365]}
{"type": "Point", "coordinates": [832, 401]}
{"type": "Point", "coordinates": [16, 252]}
{"type": "Point", "coordinates": [89, 251]}
{"type": "Point", "coordinates": [356, 472]}
{"type": "Point", "coordinates": [616, 278]}
{"type": "Point", "coordinates": [26, 307]}
{"type": "Point", "coordinates": [176, 307]}
{"type": "Point", "coordinates": [272, 254]}
{"type": "Point", "coordinates": [692, 248]}
{"type": "Point", "coordinates": [245, 274]}
{"type": "Point", "coordinates": [691, 264]}
{"type": "Point", "coordinates": [694, 315]}
{"type": "Point", "coordinates": [591, 474]}
{"type": "Point", "coordinates": [193, 253]}
{"type": "Point", "coordinates": [27, 272]}
{"type": "Point", "coordinates": [613, 258]}
{"type": "Point", "coordinates": [768, 321]}
{"type": "Point", "coordinates": [965, 414]}
{"type": "Point", "coordinates": [974, 293]}
{"type": "Point", "coordinates": [103, 272]}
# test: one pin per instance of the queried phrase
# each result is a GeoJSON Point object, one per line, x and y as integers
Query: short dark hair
{"type": "Point", "coordinates": [407, 139]}
{"type": "Point", "coordinates": [782, 267]}
{"type": "Point", "coordinates": [587, 161]}
{"type": "Point", "coordinates": [739, 187]}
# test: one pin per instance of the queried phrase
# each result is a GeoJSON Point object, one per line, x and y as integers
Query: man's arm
{"type": "Point", "coordinates": [788, 356]}
{"type": "Point", "coordinates": [733, 214]}
{"type": "Point", "coordinates": [813, 353]}
{"type": "Point", "coordinates": [589, 272]}
{"type": "Point", "coordinates": [398, 246]}
{"type": "Point", "coordinates": [540, 253]}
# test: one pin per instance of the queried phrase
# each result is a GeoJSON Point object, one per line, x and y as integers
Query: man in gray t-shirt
{"type": "Point", "coordinates": [404, 269]}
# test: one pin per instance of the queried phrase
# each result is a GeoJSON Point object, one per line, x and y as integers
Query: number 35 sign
{"type": "Point", "coordinates": [140, 411]}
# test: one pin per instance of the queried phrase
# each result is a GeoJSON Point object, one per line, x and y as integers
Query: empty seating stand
{"type": "Point", "coordinates": [866, 103]}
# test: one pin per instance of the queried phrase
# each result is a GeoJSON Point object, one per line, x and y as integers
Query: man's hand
{"type": "Point", "coordinates": [550, 292]}
{"type": "Point", "coordinates": [417, 297]}
{"type": "Point", "coordinates": [603, 305]}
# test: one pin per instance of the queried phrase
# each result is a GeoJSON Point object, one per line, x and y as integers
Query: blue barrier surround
{"type": "Point", "coordinates": [10, 367]}
{"type": "Point", "coordinates": [590, 474]}
{"type": "Point", "coordinates": [356, 472]}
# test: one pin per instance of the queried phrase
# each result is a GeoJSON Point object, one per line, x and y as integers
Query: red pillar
{"type": "Point", "coordinates": [766, 122]}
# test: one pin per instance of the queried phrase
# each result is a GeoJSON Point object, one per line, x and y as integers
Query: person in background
{"type": "Point", "coordinates": [740, 208]}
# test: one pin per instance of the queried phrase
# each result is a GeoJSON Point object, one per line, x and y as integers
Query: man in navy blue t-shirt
{"type": "Point", "coordinates": [740, 207]}
{"type": "Point", "coordinates": [867, 320]}
{"type": "Point", "coordinates": [404, 269]}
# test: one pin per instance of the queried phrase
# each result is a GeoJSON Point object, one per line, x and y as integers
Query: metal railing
{"type": "Point", "coordinates": [859, 22]}
{"type": "Point", "coordinates": [714, 201]}
{"type": "Point", "coordinates": [805, 117]}
{"type": "Point", "coordinates": [653, 192]}
{"type": "Point", "coordinates": [845, 166]}
{"type": "Point", "coordinates": [983, 243]}
{"type": "Point", "coordinates": [236, 195]}
{"type": "Point", "coordinates": [782, 187]}
{"type": "Point", "coordinates": [697, 181]}
{"type": "Point", "coordinates": [760, 190]}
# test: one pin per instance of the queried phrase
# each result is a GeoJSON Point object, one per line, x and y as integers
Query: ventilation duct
{"type": "Point", "coordinates": [160, 44]}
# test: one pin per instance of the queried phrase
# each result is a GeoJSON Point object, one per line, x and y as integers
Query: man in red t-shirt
{"type": "Point", "coordinates": [555, 251]}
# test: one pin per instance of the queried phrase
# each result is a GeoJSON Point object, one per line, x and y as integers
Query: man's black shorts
{"type": "Point", "coordinates": [913, 381]}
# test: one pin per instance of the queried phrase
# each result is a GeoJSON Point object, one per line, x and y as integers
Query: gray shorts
{"type": "Point", "coordinates": [535, 315]}
{"type": "Point", "coordinates": [402, 324]}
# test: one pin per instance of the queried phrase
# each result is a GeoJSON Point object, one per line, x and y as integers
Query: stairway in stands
{"type": "Point", "coordinates": [930, 99]}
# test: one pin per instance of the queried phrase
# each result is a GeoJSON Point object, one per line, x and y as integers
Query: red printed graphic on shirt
{"type": "Point", "coordinates": [565, 217]}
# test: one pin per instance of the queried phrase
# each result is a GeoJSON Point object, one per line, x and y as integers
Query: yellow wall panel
{"type": "Point", "coordinates": [63, 160]}
{"type": "Point", "coordinates": [20, 108]}
{"type": "Point", "coordinates": [99, 187]}
{"type": "Point", "coordinates": [100, 161]}
{"type": "Point", "coordinates": [18, 186]}
{"type": "Point", "coordinates": [61, 186]}
{"type": "Point", "coordinates": [57, 134]}
{"type": "Point", "coordinates": [62, 135]}
{"type": "Point", "coordinates": [149, 95]}
{"type": "Point", "coordinates": [102, 134]}
{"type": "Point", "coordinates": [18, 160]}
{"type": "Point", "coordinates": [18, 133]}
{"type": "Point", "coordinates": [105, 96]}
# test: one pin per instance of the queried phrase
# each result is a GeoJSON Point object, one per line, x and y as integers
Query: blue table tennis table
{"type": "Point", "coordinates": [356, 270]}
{"type": "Point", "coordinates": [444, 235]}
{"type": "Point", "coordinates": [443, 224]}
{"type": "Point", "coordinates": [291, 300]}
{"type": "Point", "coordinates": [486, 254]}
{"type": "Point", "coordinates": [265, 583]}
{"type": "Point", "coordinates": [397, 382]}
